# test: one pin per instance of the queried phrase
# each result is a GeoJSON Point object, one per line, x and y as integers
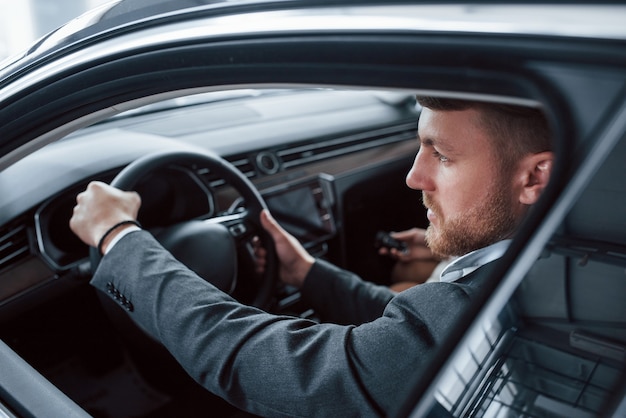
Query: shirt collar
{"type": "Point", "coordinates": [466, 264]}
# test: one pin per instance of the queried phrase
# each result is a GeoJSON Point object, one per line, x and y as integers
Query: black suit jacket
{"type": "Point", "coordinates": [282, 366]}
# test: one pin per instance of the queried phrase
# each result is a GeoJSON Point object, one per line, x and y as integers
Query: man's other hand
{"type": "Point", "coordinates": [295, 261]}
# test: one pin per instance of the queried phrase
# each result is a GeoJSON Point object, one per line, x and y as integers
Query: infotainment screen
{"type": "Point", "coordinates": [304, 209]}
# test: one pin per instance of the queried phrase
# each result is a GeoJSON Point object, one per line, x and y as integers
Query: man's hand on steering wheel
{"type": "Point", "coordinates": [100, 207]}
{"type": "Point", "coordinates": [295, 261]}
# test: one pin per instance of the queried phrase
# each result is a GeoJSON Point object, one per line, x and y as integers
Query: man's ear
{"type": "Point", "coordinates": [535, 170]}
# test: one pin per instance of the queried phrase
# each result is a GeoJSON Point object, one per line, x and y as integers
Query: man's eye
{"type": "Point", "coordinates": [442, 158]}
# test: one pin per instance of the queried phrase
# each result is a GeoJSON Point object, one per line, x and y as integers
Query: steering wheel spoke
{"type": "Point", "coordinates": [237, 224]}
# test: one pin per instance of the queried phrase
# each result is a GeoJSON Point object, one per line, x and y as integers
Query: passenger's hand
{"type": "Point", "coordinates": [100, 207]}
{"type": "Point", "coordinates": [415, 239]}
{"type": "Point", "coordinates": [295, 261]}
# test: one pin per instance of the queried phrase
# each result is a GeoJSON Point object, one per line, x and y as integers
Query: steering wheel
{"type": "Point", "coordinates": [208, 247]}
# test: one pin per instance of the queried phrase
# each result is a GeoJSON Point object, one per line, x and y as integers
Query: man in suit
{"type": "Point", "coordinates": [480, 168]}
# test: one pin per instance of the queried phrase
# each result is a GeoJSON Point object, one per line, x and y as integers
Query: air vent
{"type": "Point", "coordinates": [243, 164]}
{"type": "Point", "coordinates": [13, 244]}
{"type": "Point", "coordinates": [320, 150]}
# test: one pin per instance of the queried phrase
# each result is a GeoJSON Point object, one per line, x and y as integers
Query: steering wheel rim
{"type": "Point", "coordinates": [130, 176]}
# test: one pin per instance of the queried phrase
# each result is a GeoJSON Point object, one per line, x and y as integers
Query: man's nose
{"type": "Point", "coordinates": [419, 178]}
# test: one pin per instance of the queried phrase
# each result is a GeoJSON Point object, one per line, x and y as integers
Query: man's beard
{"type": "Point", "coordinates": [480, 226]}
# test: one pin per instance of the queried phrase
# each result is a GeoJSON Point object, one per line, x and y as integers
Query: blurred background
{"type": "Point", "coordinates": [24, 21]}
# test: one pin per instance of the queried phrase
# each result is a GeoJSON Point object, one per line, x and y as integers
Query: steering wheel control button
{"type": "Point", "coordinates": [237, 230]}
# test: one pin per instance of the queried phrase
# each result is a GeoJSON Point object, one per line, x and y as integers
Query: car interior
{"type": "Point", "coordinates": [333, 185]}
{"type": "Point", "coordinates": [202, 137]}
{"type": "Point", "coordinates": [557, 347]}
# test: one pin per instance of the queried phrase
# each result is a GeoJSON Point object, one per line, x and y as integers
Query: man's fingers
{"type": "Point", "coordinates": [414, 235]}
{"type": "Point", "coordinates": [269, 223]}
{"type": "Point", "coordinates": [259, 250]}
{"type": "Point", "coordinates": [99, 207]}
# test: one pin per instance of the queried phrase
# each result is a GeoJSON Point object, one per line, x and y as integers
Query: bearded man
{"type": "Point", "coordinates": [480, 167]}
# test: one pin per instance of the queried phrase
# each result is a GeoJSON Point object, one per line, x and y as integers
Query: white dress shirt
{"type": "Point", "coordinates": [121, 235]}
{"type": "Point", "coordinates": [466, 264]}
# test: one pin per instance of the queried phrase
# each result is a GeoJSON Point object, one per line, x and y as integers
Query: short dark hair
{"type": "Point", "coordinates": [517, 130]}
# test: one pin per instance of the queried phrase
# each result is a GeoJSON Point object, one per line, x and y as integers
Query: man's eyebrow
{"type": "Point", "coordinates": [423, 141]}
{"type": "Point", "coordinates": [428, 141]}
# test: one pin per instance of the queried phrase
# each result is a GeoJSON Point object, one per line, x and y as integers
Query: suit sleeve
{"type": "Point", "coordinates": [273, 365]}
{"type": "Point", "coordinates": [342, 297]}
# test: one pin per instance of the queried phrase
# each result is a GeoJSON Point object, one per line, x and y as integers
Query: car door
{"type": "Point", "coordinates": [578, 78]}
